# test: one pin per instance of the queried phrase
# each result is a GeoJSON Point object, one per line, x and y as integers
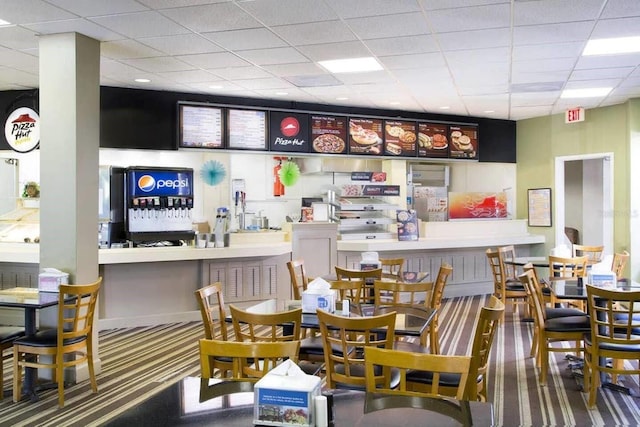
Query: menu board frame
{"type": "Point", "coordinates": [405, 132]}
{"type": "Point", "coordinates": [341, 134]}
{"type": "Point", "coordinates": [265, 143]}
{"type": "Point", "coordinates": [539, 207]}
{"type": "Point", "coordinates": [289, 132]}
{"type": "Point", "coordinates": [204, 107]}
{"type": "Point", "coordinates": [366, 138]}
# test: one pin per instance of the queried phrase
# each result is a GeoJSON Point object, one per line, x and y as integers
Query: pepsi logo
{"type": "Point", "coordinates": [146, 183]}
{"type": "Point", "coordinates": [289, 126]}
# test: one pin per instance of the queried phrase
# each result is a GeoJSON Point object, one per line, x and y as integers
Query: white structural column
{"type": "Point", "coordinates": [69, 145]}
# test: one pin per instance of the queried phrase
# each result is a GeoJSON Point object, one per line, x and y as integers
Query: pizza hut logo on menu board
{"type": "Point", "coordinates": [22, 129]}
{"type": "Point", "coordinates": [289, 126]}
{"type": "Point", "coordinates": [289, 132]}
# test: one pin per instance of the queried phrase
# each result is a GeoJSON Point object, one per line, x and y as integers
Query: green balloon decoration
{"type": "Point", "coordinates": [289, 173]}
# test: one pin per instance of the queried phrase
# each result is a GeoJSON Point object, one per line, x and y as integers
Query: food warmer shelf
{"type": "Point", "coordinates": [364, 204]}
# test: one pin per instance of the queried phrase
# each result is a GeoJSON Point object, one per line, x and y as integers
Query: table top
{"type": "Point", "coordinates": [194, 401]}
{"type": "Point", "coordinates": [537, 261]}
{"type": "Point", "coordinates": [27, 298]}
{"type": "Point", "coordinates": [410, 321]}
{"type": "Point", "coordinates": [572, 289]}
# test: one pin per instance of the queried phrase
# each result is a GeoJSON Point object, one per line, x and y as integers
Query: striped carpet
{"type": "Point", "coordinates": [138, 362]}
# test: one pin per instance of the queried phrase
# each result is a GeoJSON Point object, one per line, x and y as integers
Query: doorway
{"type": "Point", "coordinates": [584, 199]}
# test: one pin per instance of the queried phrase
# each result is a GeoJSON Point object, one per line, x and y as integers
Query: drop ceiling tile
{"type": "Point", "coordinates": [212, 17]}
{"type": "Point", "coordinates": [158, 64]}
{"type": "Point", "coordinates": [285, 12]}
{"type": "Point", "coordinates": [118, 70]}
{"type": "Point", "coordinates": [97, 8]}
{"type": "Point", "coordinates": [552, 33]}
{"type": "Point", "coordinates": [582, 84]}
{"type": "Point", "coordinates": [253, 38]}
{"type": "Point", "coordinates": [299, 69]}
{"type": "Point", "coordinates": [18, 38]}
{"type": "Point", "coordinates": [484, 91]}
{"type": "Point", "coordinates": [270, 83]}
{"type": "Point", "coordinates": [397, 25]}
{"type": "Point", "coordinates": [18, 77]}
{"type": "Point", "coordinates": [281, 55]}
{"type": "Point", "coordinates": [523, 113]}
{"type": "Point", "coordinates": [214, 60]}
{"type": "Point", "coordinates": [312, 80]}
{"type": "Point", "coordinates": [127, 49]}
{"type": "Point", "coordinates": [221, 87]}
{"type": "Point", "coordinates": [251, 72]}
{"type": "Point", "coordinates": [478, 39]}
{"type": "Point", "coordinates": [141, 24]}
{"type": "Point", "coordinates": [189, 76]}
{"type": "Point", "coordinates": [471, 18]}
{"type": "Point", "coordinates": [555, 11]}
{"type": "Point", "coordinates": [32, 11]}
{"type": "Point", "coordinates": [540, 98]}
{"type": "Point", "coordinates": [17, 59]}
{"type": "Point", "coordinates": [417, 76]}
{"type": "Point", "coordinates": [321, 52]}
{"type": "Point", "coordinates": [608, 61]}
{"type": "Point", "coordinates": [628, 92]}
{"type": "Point", "coordinates": [489, 74]}
{"type": "Point", "coordinates": [623, 27]}
{"type": "Point", "coordinates": [543, 65]}
{"type": "Point", "coordinates": [378, 77]}
{"type": "Point", "coordinates": [421, 60]}
{"type": "Point", "coordinates": [632, 81]}
{"type": "Point", "coordinates": [82, 26]}
{"type": "Point", "coordinates": [182, 44]}
{"type": "Point", "coordinates": [547, 51]}
{"type": "Point", "coordinates": [165, 4]}
{"type": "Point", "coordinates": [523, 77]}
{"type": "Point", "coordinates": [614, 100]}
{"type": "Point", "coordinates": [601, 73]}
{"type": "Point", "coordinates": [315, 33]}
{"type": "Point", "coordinates": [478, 56]}
{"type": "Point", "coordinates": [621, 9]}
{"type": "Point", "coordinates": [285, 94]}
{"type": "Point", "coordinates": [451, 4]}
{"type": "Point", "coordinates": [403, 45]}
{"type": "Point", "coordinates": [361, 8]}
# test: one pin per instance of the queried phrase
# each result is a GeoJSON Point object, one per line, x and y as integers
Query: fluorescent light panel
{"type": "Point", "coordinates": [612, 46]}
{"type": "Point", "coordinates": [351, 65]}
{"type": "Point", "coordinates": [3, 23]}
{"type": "Point", "coordinates": [586, 93]}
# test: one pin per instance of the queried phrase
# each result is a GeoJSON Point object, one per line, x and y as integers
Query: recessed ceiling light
{"type": "Point", "coordinates": [342, 98]}
{"type": "Point", "coordinates": [394, 103]}
{"type": "Point", "coordinates": [3, 23]}
{"type": "Point", "coordinates": [445, 107]}
{"type": "Point", "coordinates": [612, 46]}
{"type": "Point", "coordinates": [593, 92]}
{"type": "Point", "coordinates": [215, 87]}
{"type": "Point", "coordinates": [142, 80]}
{"type": "Point", "coordinates": [489, 111]}
{"type": "Point", "coordinates": [282, 93]}
{"type": "Point", "coordinates": [351, 65]}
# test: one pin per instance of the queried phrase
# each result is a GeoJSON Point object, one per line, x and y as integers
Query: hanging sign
{"type": "Point", "coordinates": [22, 129]}
{"type": "Point", "coordinates": [574, 115]}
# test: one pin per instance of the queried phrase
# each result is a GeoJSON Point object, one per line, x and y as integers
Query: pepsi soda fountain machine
{"type": "Point", "coordinates": [159, 205]}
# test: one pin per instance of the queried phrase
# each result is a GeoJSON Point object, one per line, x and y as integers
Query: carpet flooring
{"type": "Point", "coordinates": [137, 362]}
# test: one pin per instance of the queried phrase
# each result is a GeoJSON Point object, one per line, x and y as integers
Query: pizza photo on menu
{"type": "Point", "coordinates": [365, 136]}
{"type": "Point", "coordinates": [328, 134]}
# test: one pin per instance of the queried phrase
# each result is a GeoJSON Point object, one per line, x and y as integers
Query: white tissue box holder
{"type": "Point", "coordinates": [286, 403]}
{"type": "Point", "coordinates": [324, 301]}
{"type": "Point", "coordinates": [50, 281]}
{"type": "Point", "coordinates": [602, 279]}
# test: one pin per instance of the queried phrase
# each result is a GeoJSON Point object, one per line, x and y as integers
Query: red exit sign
{"type": "Point", "coordinates": [574, 115]}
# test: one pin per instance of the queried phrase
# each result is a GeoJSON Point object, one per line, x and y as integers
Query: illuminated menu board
{"type": "Point", "coordinates": [328, 134]}
{"type": "Point", "coordinates": [400, 138]}
{"type": "Point", "coordinates": [247, 129]}
{"type": "Point", "coordinates": [200, 126]}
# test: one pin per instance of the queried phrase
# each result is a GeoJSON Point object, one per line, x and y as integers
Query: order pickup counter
{"type": "Point", "coordinates": [459, 243]}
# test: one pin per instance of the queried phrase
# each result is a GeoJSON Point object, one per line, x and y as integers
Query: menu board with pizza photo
{"type": "Point", "coordinates": [328, 134]}
{"type": "Point", "coordinates": [365, 136]}
{"type": "Point", "coordinates": [400, 138]}
{"type": "Point", "coordinates": [288, 132]}
{"type": "Point", "coordinates": [464, 142]}
{"type": "Point", "coordinates": [433, 140]}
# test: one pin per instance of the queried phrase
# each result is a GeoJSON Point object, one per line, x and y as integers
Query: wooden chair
{"type": "Point", "coordinates": [615, 334]}
{"type": "Point", "coordinates": [593, 253]}
{"type": "Point", "coordinates": [502, 289]}
{"type": "Point", "coordinates": [619, 262]}
{"type": "Point", "coordinates": [212, 309]}
{"type": "Point", "coordinates": [560, 329]}
{"type": "Point", "coordinates": [8, 334]}
{"type": "Point", "coordinates": [253, 327]}
{"type": "Point", "coordinates": [367, 275]}
{"type": "Point", "coordinates": [436, 302]}
{"type": "Point", "coordinates": [391, 267]}
{"type": "Point", "coordinates": [299, 278]}
{"type": "Point", "coordinates": [563, 268]}
{"type": "Point", "coordinates": [378, 359]}
{"type": "Point", "coordinates": [548, 312]}
{"type": "Point", "coordinates": [250, 360]}
{"type": "Point", "coordinates": [344, 340]}
{"type": "Point", "coordinates": [509, 253]}
{"type": "Point", "coordinates": [488, 322]}
{"type": "Point", "coordinates": [73, 336]}
{"type": "Point", "coordinates": [352, 290]}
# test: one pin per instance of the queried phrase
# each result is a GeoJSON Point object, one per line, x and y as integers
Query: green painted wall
{"type": "Point", "coordinates": [540, 140]}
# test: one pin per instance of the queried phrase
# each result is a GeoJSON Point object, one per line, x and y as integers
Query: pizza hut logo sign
{"type": "Point", "coordinates": [22, 129]}
{"type": "Point", "coordinates": [289, 126]}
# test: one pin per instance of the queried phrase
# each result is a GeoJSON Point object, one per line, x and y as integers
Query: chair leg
{"type": "Point", "coordinates": [594, 383]}
{"type": "Point", "coordinates": [544, 363]}
{"type": "Point", "coordinates": [534, 342]}
{"type": "Point", "coordinates": [17, 376]}
{"type": "Point", "coordinates": [92, 373]}
{"type": "Point", "coordinates": [434, 340]}
{"type": "Point", "coordinates": [60, 378]}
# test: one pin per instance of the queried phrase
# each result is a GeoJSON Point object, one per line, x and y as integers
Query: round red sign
{"type": "Point", "coordinates": [289, 126]}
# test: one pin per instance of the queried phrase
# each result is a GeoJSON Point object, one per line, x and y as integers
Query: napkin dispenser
{"type": "Point", "coordinates": [51, 278]}
{"type": "Point", "coordinates": [285, 397]}
{"type": "Point", "coordinates": [318, 295]}
{"type": "Point", "coordinates": [370, 261]}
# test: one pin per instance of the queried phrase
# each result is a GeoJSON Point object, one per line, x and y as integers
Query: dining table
{"type": "Point", "coordinates": [30, 300]}
{"type": "Point", "coordinates": [215, 402]}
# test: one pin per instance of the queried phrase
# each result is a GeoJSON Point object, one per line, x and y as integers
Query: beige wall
{"type": "Point", "coordinates": [607, 129]}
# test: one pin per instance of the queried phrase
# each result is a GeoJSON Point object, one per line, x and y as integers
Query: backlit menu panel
{"type": "Point", "coordinates": [328, 134]}
{"type": "Point", "coordinates": [247, 129]}
{"type": "Point", "coordinates": [200, 126]}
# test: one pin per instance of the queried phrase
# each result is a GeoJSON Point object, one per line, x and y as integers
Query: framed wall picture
{"type": "Point", "coordinates": [539, 207]}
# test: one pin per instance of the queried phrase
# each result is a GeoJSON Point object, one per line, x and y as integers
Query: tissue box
{"type": "Point", "coordinates": [285, 400]}
{"type": "Point", "coordinates": [50, 280]}
{"type": "Point", "coordinates": [602, 279]}
{"type": "Point", "coordinates": [311, 300]}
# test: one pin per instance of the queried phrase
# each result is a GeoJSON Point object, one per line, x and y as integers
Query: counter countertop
{"type": "Point", "coordinates": [29, 253]}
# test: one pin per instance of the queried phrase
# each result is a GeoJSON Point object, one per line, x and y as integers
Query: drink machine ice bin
{"type": "Point", "coordinates": [159, 204]}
